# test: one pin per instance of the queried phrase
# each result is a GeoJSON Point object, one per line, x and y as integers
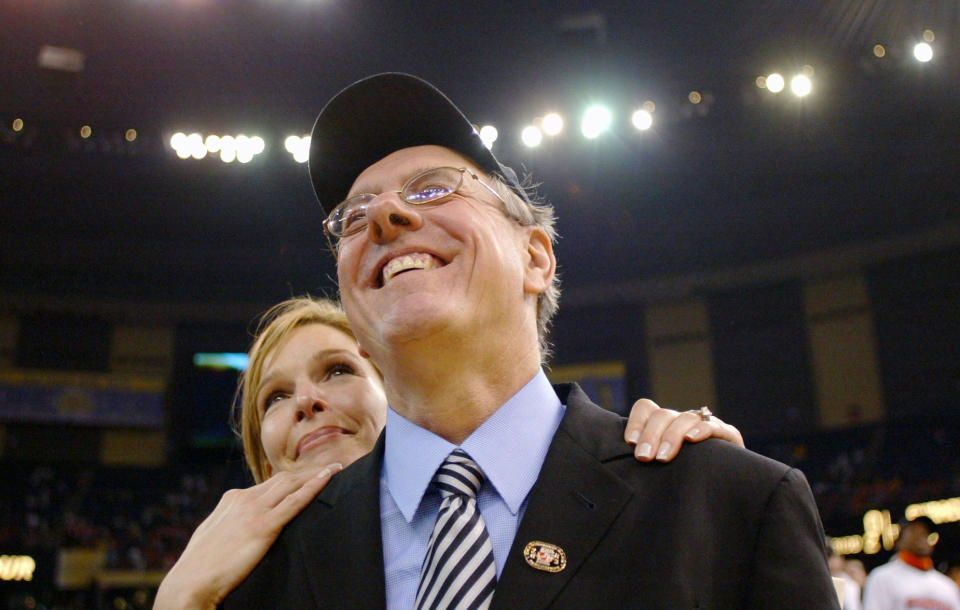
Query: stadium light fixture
{"type": "Point", "coordinates": [488, 135]}
{"type": "Point", "coordinates": [596, 120]}
{"type": "Point", "coordinates": [552, 124]}
{"type": "Point", "coordinates": [923, 52]}
{"type": "Point", "coordinates": [801, 85]}
{"type": "Point", "coordinates": [775, 83]}
{"type": "Point", "coordinates": [642, 119]}
{"type": "Point", "coordinates": [531, 136]}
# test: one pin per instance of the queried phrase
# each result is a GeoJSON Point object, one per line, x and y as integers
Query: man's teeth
{"type": "Point", "coordinates": [406, 262]}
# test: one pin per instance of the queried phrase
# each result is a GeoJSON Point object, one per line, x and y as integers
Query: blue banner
{"type": "Point", "coordinates": [81, 398]}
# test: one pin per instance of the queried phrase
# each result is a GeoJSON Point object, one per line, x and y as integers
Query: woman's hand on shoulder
{"type": "Point", "coordinates": [233, 539]}
{"type": "Point", "coordinates": [658, 433]}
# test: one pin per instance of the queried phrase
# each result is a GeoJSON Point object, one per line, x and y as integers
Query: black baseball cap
{"type": "Point", "coordinates": [383, 113]}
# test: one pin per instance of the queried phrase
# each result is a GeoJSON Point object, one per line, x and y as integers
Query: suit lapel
{"type": "Point", "coordinates": [341, 538]}
{"type": "Point", "coordinates": [572, 505]}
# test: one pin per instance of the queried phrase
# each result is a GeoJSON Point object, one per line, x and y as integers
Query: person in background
{"type": "Point", "coordinates": [851, 590]}
{"type": "Point", "coordinates": [909, 580]}
{"type": "Point", "coordinates": [310, 404]}
{"type": "Point", "coordinates": [448, 277]}
{"type": "Point", "coordinates": [856, 570]}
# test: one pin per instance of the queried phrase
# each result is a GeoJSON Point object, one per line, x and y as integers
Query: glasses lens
{"type": "Point", "coordinates": [350, 216]}
{"type": "Point", "coordinates": [432, 185]}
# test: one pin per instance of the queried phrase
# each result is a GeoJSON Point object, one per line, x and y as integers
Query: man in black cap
{"type": "Point", "coordinates": [490, 488]}
{"type": "Point", "coordinates": [909, 580]}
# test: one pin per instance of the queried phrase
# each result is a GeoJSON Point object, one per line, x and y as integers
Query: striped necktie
{"type": "Point", "coordinates": [458, 571]}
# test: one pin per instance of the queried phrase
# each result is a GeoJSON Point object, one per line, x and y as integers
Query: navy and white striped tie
{"type": "Point", "coordinates": [458, 571]}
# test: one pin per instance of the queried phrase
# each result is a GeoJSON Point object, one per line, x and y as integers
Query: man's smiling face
{"type": "Point", "coordinates": [457, 264]}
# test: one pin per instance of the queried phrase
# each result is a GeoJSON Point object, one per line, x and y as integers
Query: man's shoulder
{"type": "Point", "coordinates": [600, 433]}
{"type": "Point", "coordinates": [738, 526]}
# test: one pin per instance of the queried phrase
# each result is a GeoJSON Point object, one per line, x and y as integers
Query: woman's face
{"type": "Point", "coordinates": [320, 401]}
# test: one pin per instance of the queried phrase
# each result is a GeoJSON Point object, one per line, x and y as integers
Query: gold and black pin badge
{"type": "Point", "coordinates": [545, 556]}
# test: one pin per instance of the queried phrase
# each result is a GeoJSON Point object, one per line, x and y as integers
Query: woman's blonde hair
{"type": "Point", "coordinates": [275, 327]}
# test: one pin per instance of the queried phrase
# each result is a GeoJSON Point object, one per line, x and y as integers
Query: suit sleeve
{"type": "Point", "coordinates": [790, 557]}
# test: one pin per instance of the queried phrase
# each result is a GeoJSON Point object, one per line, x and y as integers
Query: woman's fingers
{"type": "Point", "coordinates": [267, 507]}
{"type": "Point", "coordinates": [678, 431]}
{"type": "Point", "coordinates": [647, 423]}
{"type": "Point", "coordinates": [658, 433]}
{"type": "Point", "coordinates": [290, 506]}
{"type": "Point", "coordinates": [716, 428]}
{"type": "Point", "coordinates": [275, 490]}
{"type": "Point", "coordinates": [639, 414]}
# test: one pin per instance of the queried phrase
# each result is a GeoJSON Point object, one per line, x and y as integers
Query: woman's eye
{"type": "Point", "coordinates": [340, 368]}
{"type": "Point", "coordinates": [273, 398]}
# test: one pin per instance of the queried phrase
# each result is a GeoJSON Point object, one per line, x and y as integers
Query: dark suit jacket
{"type": "Point", "coordinates": [719, 527]}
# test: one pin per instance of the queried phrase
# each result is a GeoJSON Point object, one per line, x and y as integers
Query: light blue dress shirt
{"type": "Point", "coordinates": [510, 448]}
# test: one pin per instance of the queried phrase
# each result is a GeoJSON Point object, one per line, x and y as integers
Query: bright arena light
{"type": "Point", "coordinates": [596, 120]}
{"type": "Point", "coordinates": [244, 149]}
{"type": "Point", "coordinates": [923, 52]}
{"type": "Point", "coordinates": [212, 144]}
{"type": "Point", "coordinates": [775, 83]}
{"type": "Point", "coordinates": [552, 124]}
{"type": "Point", "coordinates": [195, 145]}
{"type": "Point", "coordinates": [801, 85]}
{"type": "Point", "coordinates": [303, 155]}
{"type": "Point", "coordinates": [178, 142]}
{"type": "Point", "coordinates": [299, 147]}
{"type": "Point", "coordinates": [228, 149]}
{"type": "Point", "coordinates": [531, 136]}
{"type": "Point", "coordinates": [488, 135]}
{"type": "Point", "coordinates": [642, 120]}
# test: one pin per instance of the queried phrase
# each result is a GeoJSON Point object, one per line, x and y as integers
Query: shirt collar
{"type": "Point", "coordinates": [509, 447]}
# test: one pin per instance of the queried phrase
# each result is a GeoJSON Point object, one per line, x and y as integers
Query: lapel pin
{"type": "Point", "coordinates": [545, 556]}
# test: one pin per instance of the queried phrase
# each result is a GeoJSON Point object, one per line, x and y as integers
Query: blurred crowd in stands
{"type": "Point", "coordinates": [141, 517]}
{"type": "Point", "coordinates": [855, 470]}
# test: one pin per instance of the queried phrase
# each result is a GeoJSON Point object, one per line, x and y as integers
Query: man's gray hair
{"type": "Point", "coordinates": [539, 213]}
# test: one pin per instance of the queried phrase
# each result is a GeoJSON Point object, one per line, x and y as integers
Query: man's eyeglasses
{"type": "Point", "coordinates": [430, 186]}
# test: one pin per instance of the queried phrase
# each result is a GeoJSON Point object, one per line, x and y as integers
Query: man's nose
{"type": "Point", "coordinates": [388, 215]}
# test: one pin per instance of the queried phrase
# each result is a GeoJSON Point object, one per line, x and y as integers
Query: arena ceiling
{"type": "Point", "coordinates": [871, 156]}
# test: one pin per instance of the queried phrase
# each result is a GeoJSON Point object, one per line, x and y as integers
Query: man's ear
{"type": "Point", "coordinates": [541, 263]}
